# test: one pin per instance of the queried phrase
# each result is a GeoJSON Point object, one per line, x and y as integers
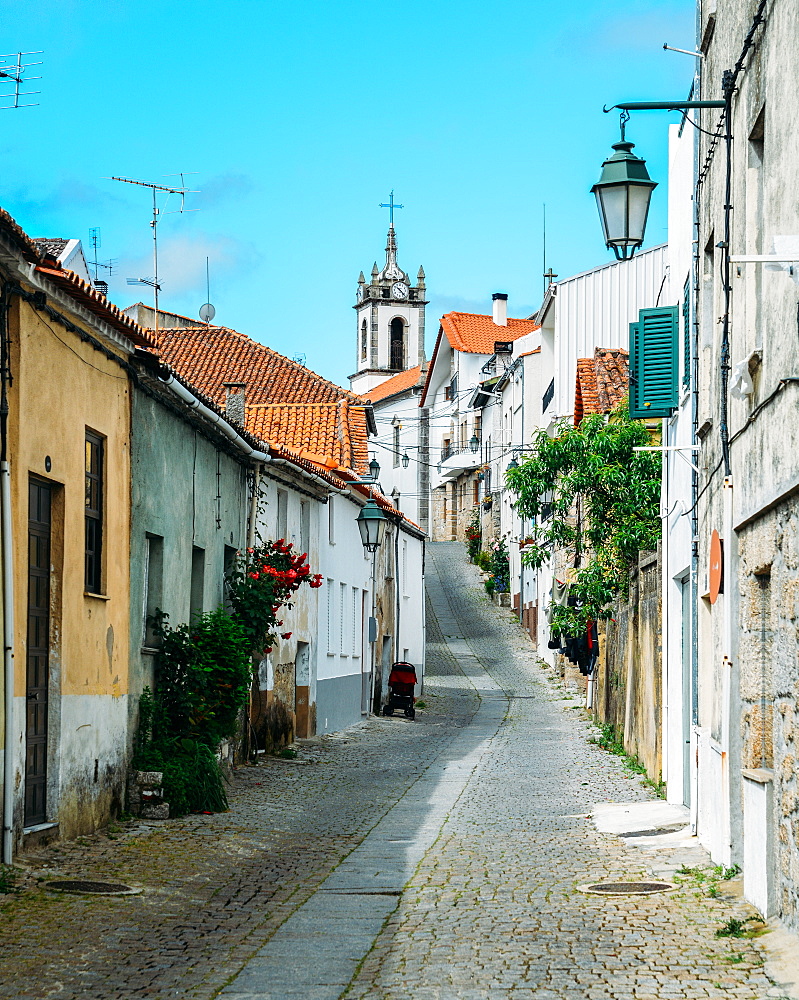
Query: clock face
{"type": "Point", "coordinates": [399, 290]}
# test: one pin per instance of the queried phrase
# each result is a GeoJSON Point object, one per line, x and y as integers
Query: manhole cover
{"type": "Point", "coordinates": [626, 888]}
{"type": "Point", "coordinates": [94, 888]}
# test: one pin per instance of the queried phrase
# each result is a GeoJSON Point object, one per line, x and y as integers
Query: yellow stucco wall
{"type": "Point", "coordinates": [62, 387]}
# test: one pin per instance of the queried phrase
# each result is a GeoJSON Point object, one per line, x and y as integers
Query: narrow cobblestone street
{"type": "Point", "coordinates": [438, 860]}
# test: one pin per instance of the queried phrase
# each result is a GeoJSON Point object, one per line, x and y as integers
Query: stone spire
{"type": "Point", "coordinates": [392, 271]}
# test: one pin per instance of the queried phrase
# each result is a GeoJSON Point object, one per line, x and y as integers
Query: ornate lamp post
{"type": "Point", "coordinates": [372, 526]}
{"type": "Point", "coordinates": [623, 193]}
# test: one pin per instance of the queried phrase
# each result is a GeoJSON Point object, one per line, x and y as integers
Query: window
{"type": "Point", "coordinates": [686, 332]}
{"type": "Point", "coordinates": [93, 579]}
{"type": "Point", "coordinates": [305, 526]}
{"type": "Point", "coordinates": [342, 611]}
{"type": "Point", "coordinates": [152, 597]}
{"type": "Point", "coordinates": [356, 631]}
{"type": "Point", "coordinates": [197, 591]}
{"type": "Point", "coordinates": [653, 363]}
{"type": "Point", "coordinates": [363, 341]}
{"type": "Point", "coordinates": [331, 613]}
{"type": "Point", "coordinates": [282, 513]}
{"type": "Point", "coordinates": [397, 345]}
{"type": "Point", "coordinates": [331, 522]}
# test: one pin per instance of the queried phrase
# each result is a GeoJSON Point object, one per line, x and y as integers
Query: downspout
{"type": "Point", "coordinates": [254, 506]}
{"type": "Point", "coordinates": [8, 593]}
{"type": "Point", "coordinates": [397, 592]}
{"type": "Point", "coordinates": [189, 398]}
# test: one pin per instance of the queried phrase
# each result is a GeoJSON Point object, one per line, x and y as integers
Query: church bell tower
{"type": "Point", "coordinates": [390, 320]}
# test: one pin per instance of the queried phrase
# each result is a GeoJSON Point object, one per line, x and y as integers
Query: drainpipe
{"type": "Point", "coordinates": [254, 506]}
{"type": "Point", "coordinates": [8, 593]}
{"type": "Point", "coordinates": [189, 398]}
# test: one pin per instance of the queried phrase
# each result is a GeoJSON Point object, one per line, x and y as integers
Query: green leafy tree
{"type": "Point", "coordinates": [592, 495]}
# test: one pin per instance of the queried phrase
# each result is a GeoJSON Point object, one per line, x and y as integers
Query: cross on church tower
{"type": "Point", "coordinates": [390, 206]}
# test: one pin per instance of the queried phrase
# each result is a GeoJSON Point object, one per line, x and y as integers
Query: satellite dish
{"type": "Point", "coordinates": [207, 312]}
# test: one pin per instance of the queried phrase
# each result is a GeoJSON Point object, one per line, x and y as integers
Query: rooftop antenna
{"type": "Point", "coordinates": [97, 242]}
{"type": "Point", "coordinates": [12, 70]}
{"type": "Point", "coordinates": [207, 311]}
{"type": "Point", "coordinates": [155, 188]}
{"type": "Point", "coordinates": [549, 274]}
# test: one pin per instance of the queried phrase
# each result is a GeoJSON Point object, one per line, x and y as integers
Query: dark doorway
{"type": "Point", "coordinates": [397, 360]}
{"type": "Point", "coordinates": [38, 656]}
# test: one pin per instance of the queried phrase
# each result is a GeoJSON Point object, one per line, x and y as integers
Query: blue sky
{"type": "Point", "coordinates": [298, 119]}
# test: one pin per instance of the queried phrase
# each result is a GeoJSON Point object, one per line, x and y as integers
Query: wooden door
{"type": "Point", "coordinates": [40, 497]}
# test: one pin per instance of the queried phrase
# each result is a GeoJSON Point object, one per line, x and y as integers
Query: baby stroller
{"type": "Point", "coordinates": [400, 689]}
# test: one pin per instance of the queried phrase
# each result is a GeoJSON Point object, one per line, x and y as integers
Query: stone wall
{"type": "Point", "coordinates": [769, 679]}
{"type": "Point", "coordinates": [628, 689]}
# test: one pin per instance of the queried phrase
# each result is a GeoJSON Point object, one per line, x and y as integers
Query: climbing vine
{"type": "Point", "coordinates": [595, 497]}
{"type": "Point", "coordinates": [474, 534]}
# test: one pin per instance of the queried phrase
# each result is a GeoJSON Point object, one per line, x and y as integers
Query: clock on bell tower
{"type": "Point", "coordinates": [389, 312]}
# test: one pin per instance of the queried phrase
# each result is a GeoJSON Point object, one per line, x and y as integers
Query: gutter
{"type": "Point", "coordinates": [181, 391]}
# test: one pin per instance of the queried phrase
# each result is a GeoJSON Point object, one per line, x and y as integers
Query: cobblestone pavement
{"type": "Point", "coordinates": [215, 887]}
{"type": "Point", "coordinates": [488, 795]}
{"type": "Point", "coordinates": [494, 909]}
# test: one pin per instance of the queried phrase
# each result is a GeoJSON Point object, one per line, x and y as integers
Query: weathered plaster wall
{"type": "Point", "coordinates": [186, 493]}
{"type": "Point", "coordinates": [628, 693]}
{"type": "Point", "coordinates": [769, 681]}
{"type": "Point", "coordinates": [62, 387]}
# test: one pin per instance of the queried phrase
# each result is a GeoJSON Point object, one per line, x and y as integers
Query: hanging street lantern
{"type": "Point", "coordinates": [474, 444]}
{"type": "Point", "coordinates": [405, 460]}
{"type": "Point", "coordinates": [374, 469]}
{"type": "Point", "coordinates": [623, 193]}
{"type": "Point", "coordinates": [372, 526]}
{"type": "Point", "coordinates": [513, 464]}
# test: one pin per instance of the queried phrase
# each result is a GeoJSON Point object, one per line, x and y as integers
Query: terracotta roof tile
{"type": "Point", "coordinates": [331, 435]}
{"type": "Point", "coordinates": [602, 381]}
{"type": "Point", "coordinates": [97, 303]}
{"type": "Point", "coordinates": [286, 404]}
{"type": "Point", "coordinates": [398, 383]}
{"type": "Point", "coordinates": [476, 334]}
{"type": "Point", "coordinates": [535, 350]}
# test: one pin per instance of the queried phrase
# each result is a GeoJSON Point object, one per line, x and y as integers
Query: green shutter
{"type": "Point", "coordinates": [653, 363]}
{"type": "Point", "coordinates": [686, 332]}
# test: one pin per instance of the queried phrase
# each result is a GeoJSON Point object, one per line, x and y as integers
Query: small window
{"type": "Point", "coordinates": [197, 580]}
{"type": "Point", "coordinates": [356, 631]}
{"type": "Point", "coordinates": [331, 522]}
{"type": "Point", "coordinates": [331, 611]}
{"type": "Point", "coordinates": [305, 526]}
{"type": "Point", "coordinates": [153, 588]}
{"type": "Point", "coordinates": [396, 457]}
{"type": "Point", "coordinates": [93, 579]}
{"type": "Point", "coordinates": [363, 341]}
{"type": "Point", "coordinates": [282, 513]}
{"type": "Point", "coordinates": [342, 616]}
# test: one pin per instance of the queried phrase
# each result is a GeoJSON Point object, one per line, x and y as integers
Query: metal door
{"type": "Point", "coordinates": [38, 652]}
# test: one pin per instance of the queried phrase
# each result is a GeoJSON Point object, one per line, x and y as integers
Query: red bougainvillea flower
{"type": "Point", "coordinates": [287, 635]}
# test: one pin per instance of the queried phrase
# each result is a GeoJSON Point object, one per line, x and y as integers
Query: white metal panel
{"type": "Point", "coordinates": [595, 309]}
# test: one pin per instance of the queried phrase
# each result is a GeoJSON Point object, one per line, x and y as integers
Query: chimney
{"type": "Point", "coordinates": [234, 401]}
{"type": "Point", "coordinates": [500, 308]}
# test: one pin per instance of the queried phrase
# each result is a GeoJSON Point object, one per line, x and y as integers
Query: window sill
{"type": "Point", "coordinates": [151, 650]}
{"type": "Point", "coordinates": [98, 597]}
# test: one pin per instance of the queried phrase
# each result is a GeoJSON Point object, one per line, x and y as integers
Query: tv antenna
{"type": "Point", "coordinates": [108, 265]}
{"type": "Point", "coordinates": [12, 71]}
{"type": "Point", "coordinates": [207, 311]}
{"type": "Point", "coordinates": [155, 188]}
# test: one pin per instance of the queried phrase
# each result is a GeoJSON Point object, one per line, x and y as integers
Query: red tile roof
{"type": "Point", "coordinates": [602, 381]}
{"type": "Point", "coordinates": [212, 355]}
{"type": "Point", "coordinates": [70, 283]}
{"type": "Point", "coordinates": [395, 384]}
{"type": "Point", "coordinates": [535, 350]}
{"type": "Point", "coordinates": [287, 405]}
{"type": "Point", "coordinates": [97, 303]}
{"type": "Point", "coordinates": [331, 435]}
{"type": "Point", "coordinates": [476, 334]}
